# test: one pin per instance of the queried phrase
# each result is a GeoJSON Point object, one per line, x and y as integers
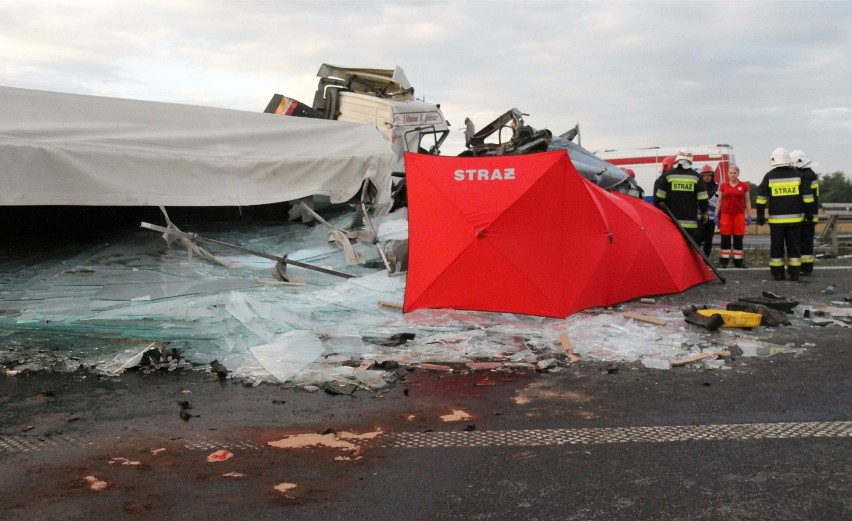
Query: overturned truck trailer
{"type": "Point", "coordinates": [72, 149]}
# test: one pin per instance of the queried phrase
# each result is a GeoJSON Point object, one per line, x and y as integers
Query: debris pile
{"type": "Point", "coordinates": [135, 304]}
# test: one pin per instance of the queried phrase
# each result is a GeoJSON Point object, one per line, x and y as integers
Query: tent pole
{"type": "Point", "coordinates": [280, 260]}
{"type": "Point", "coordinates": [691, 241]}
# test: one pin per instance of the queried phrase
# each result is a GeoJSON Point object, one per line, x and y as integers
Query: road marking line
{"type": "Point", "coordinates": [596, 436]}
{"type": "Point", "coordinates": [508, 438]}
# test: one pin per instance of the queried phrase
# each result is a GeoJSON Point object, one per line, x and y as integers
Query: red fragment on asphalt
{"type": "Point", "coordinates": [219, 455]}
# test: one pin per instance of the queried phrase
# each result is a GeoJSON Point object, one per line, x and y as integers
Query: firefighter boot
{"type": "Point", "coordinates": [777, 272]}
{"type": "Point", "coordinates": [723, 262]}
{"type": "Point", "coordinates": [793, 272]}
{"type": "Point", "coordinates": [738, 263]}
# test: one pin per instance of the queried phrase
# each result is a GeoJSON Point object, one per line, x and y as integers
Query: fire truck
{"type": "Point", "coordinates": [647, 163]}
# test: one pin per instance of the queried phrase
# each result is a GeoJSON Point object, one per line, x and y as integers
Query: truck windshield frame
{"type": "Point", "coordinates": [430, 130]}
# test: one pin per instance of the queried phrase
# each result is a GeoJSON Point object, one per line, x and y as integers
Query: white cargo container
{"type": "Point", "coordinates": [647, 163]}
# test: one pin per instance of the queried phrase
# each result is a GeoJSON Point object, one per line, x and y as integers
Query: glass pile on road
{"type": "Point", "coordinates": [104, 307]}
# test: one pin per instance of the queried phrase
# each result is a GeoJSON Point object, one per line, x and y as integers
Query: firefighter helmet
{"type": "Point", "coordinates": [630, 172]}
{"type": "Point", "coordinates": [668, 163]}
{"type": "Point", "coordinates": [800, 159]}
{"type": "Point", "coordinates": [707, 169]}
{"type": "Point", "coordinates": [684, 159]}
{"type": "Point", "coordinates": [780, 157]}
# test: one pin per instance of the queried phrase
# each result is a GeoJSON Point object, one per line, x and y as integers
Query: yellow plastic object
{"type": "Point", "coordinates": [734, 318]}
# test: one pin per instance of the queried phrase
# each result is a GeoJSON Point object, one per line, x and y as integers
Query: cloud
{"type": "Point", "coordinates": [633, 74]}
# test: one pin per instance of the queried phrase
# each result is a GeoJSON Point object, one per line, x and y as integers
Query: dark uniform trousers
{"type": "Point", "coordinates": [789, 201]}
{"type": "Point", "coordinates": [708, 229]}
{"type": "Point", "coordinates": [807, 232]}
{"type": "Point", "coordinates": [808, 228]}
{"type": "Point", "coordinates": [781, 235]}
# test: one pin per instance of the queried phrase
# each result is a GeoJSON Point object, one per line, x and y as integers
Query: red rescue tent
{"type": "Point", "coordinates": [527, 234]}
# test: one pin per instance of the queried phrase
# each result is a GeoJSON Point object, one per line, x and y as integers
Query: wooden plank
{"type": "Point", "coordinates": [645, 318]}
{"type": "Point", "coordinates": [698, 357]}
{"type": "Point", "coordinates": [566, 343]}
{"type": "Point", "coordinates": [568, 347]}
{"type": "Point", "coordinates": [392, 305]}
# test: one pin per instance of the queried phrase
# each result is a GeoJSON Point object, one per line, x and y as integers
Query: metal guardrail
{"type": "Point", "coordinates": [835, 212]}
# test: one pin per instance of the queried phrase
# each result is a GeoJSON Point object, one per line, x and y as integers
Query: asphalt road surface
{"type": "Point", "coordinates": [766, 438]}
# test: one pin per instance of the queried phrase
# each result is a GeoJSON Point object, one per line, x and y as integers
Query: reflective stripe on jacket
{"type": "Point", "coordinates": [785, 196]}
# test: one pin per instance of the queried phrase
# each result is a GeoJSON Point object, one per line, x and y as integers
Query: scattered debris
{"type": "Point", "coordinates": [157, 451]}
{"type": "Point", "coordinates": [773, 301]}
{"type": "Point", "coordinates": [696, 358]}
{"type": "Point", "coordinates": [754, 347]}
{"type": "Point", "coordinates": [234, 475]}
{"type": "Point", "coordinates": [218, 369]}
{"type": "Point", "coordinates": [690, 359]}
{"type": "Point", "coordinates": [645, 318]}
{"type": "Point", "coordinates": [568, 347]}
{"type": "Point", "coordinates": [456, 415]}
{"type": "Point", "coordinates": [124, 461]}
{"type": "Point", "coordinates": [370, 379]}
{"type": "Point", "coordinates": [397, 339]}
{"type": "Point", "coordinates": [484, 366]}
{"type": "Point", "coordinates": [229, 320]}
{"type": "Point", "coordinates": [435, 367]}
{"type": "Point", "coordinates": [710, 323]}
{"type": "Point", "coordinates": [346, 389]}
{"type": "Point", "coordinates": [769, 316]}
{"type": "Point", "coordinates": [284, 487]}
{"type": "Point", "coordinates": [657, 363]}
{"type": "Point", "coordinates": [134, 360]}
{"type": "Point", "coordinates": [392, 305]}
{"type": "Point", "coordinates": [733, 318]}
{"type": "Point", "coordinates": [220, 455]}
{"type": "Point", "coordinates": [546, 364]}
{"type": "Point", "coordinates": [346, 441]}
{"type": "Point", "coordinates": [95, 483]}
{"type": "Point", "coordinates": [832, 311]}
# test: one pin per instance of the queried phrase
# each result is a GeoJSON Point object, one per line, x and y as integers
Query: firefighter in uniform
{"type": "Point", "coordinates": [709, 227]}
{"type": "Point", "coordinates": [790, 202]}
{"type": "Point", "coordinates": [668, 163]}
{"type": "Point", "coordinates": [809, 177]}
{"type": "Point", "coordinates": [684, 195]}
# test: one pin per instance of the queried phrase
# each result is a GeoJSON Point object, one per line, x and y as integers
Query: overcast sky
{"type": "Point", "coordinates": [757, 75]}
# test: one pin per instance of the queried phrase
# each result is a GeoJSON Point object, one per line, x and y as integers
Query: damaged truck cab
{"type": "Point", "coordinates": [381, 97]}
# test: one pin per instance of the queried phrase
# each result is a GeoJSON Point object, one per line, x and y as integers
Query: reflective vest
{"type": "Point", "coordinates": [810, 177]}
{"type": "Point", "coordinates": [684, 193]}
{"type": "Point", "coordinates": [786, 197]}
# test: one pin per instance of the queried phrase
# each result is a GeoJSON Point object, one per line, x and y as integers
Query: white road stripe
{"type": "Point", "coordinates": [509, 438]}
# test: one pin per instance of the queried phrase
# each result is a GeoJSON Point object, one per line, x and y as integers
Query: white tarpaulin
{"type": "Point", "coordinates": [71, 149]}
